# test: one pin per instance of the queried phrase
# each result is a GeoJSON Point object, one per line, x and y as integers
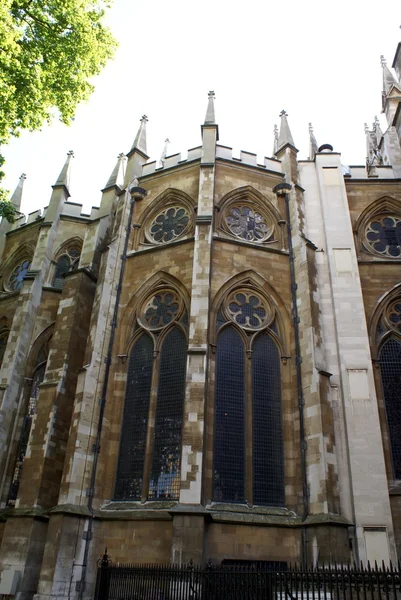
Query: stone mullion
{"type": "Point", "coordinates": [150, 435]}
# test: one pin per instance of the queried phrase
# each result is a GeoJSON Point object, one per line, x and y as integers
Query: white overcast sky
{"type": "Point", "coordinates": [318, 60]}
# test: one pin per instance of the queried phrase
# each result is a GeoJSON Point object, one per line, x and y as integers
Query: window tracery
{"type": "Point", "coordinates": [247, 390]}
{"type": "Point", "coordinates": [149, 463]}
{"type": "Point", "coordinates": [37, 379]}
{"type": "Point", "coordinates": [18, 274]}
{"type": "Point", "coordinates": [169, 224]}
{"type": "Point", "coordinates": [383, 236]}
{"type": "Point", "coordinates": [170, 217]}
{"type": "Point", "coordinates": [66, 262]}
{"type": "Point", "coordinates": [4, 333]}
{"type": "Point", "coordinates": [248, 224]}
{"type": "Point", "coordinates": [388, 342]}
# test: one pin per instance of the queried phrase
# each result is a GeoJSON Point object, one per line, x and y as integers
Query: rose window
{"type": "Point", "coordinates": [394, 315]}
{"type": "Point", "coordinates": [384, 236]}
{"type": "Point", "coordinates": [161, 309]}
{"type": "Point", "coordinates": [18, 275]}
{"type": "Point", "coordinates": [247, 310]}
{"type": "Point", "coordinates": [169, 224]}
{"type": "Point", "coordinates": [247, 224]}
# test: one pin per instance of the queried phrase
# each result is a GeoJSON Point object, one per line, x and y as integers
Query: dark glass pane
{"type": "Point", "coordinates": [390, 366]}
{"type": "Point", "coordinates": [3, 346]}
{"type": "Point", "coordinates": [268, 470]}
{"type": "Point", "coordinates": [26, 428]}
{"type": "Point", "coordinates": [164, 481]}
{"type": "Point", "coordinates": [135, 421]}
{"type": "Point", "coordinates": [62, 267]}
{"type": "Point", "coordinates": [229, 425]}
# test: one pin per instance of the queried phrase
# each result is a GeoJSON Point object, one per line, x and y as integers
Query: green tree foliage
{"type": "Point", "coordinates": [49, 50]}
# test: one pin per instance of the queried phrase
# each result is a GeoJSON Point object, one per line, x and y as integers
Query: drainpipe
{"type": "Point", "coordinates": [136, 193]}
{"type": "Point", "coordinates": [283, 189]}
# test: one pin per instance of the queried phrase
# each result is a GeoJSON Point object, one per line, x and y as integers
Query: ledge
{"type": "Point", "coordinates": [254, 245]}
{"type": "Point", "coordinates": [132, 253]}
{"type": "Point", "coordinates": [36, 513]}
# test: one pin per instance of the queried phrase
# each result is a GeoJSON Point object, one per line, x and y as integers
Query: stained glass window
{"type": "Point", "coordinates": [229, 427]}
{"type": "Point", "coordinates": [390, 366]}
{"type": "Point", "coordinates": [18, 275]}
{"type": "Point", "coordinates": [166, 467]}
{"type": "Point", "coordinates": [246, 223]}
{"type": "Point", "coordinates": [26, 429]}
{"type": "Point", "coordinates": [247, 310]}
{"type": "Point", "coordinates": [135, 421]}
{"type": "Point", "coordinates": [161, 310]}
{"type": "Point", "coordinates": [247, 388]}
{"type": "Point", "coordinates": [66, 263]}
{"type": "Point", "coordinates": [169, 224]}
{"type": "Point", "coordinates": [268, 474]}
{"type": "Point", "coordinates": [384, 236]}
{"type": "Point", "coordinates": [165, 364]}
{"type": "Point", "coordinates": [394, 315]}
{"type": "Point", "coordinates": [3, 344]}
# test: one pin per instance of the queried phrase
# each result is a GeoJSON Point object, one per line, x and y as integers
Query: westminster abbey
{"type": "Point", "coordinates": [207, 366]}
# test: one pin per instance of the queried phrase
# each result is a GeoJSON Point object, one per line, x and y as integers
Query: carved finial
{"type": "Point", "coordinates": [211, 94]}
{"type": "Point", "coordinates": [310, 128]}
{"type": "Point", "coordinates": [383, 61]}
{"type": "Point", "coordinates": [366, 128]}
{"type": "Point", "coordinates": [377, 122]}
{"type": "Point", "coordinates": [22, 176]}
{"type": "Point", "coordinates": [70, 153]}
{"type": "Point", "coordinates": [144, 119]}
{"type": "Point", "coordinates": [164, 153]}
{"type": "Point", "coordinates": [283, 113]}
{"type": "Point", "coordinates": [121, 156]}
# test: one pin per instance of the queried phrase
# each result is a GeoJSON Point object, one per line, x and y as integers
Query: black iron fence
{"type": "Point", "coordinates": [254, 581]}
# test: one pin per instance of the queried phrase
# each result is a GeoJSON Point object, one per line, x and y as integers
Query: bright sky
{"type": "Point", "coordinates": [318, 60]}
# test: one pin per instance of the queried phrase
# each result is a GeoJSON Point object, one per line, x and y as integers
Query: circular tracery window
{"type": "Point", "coordinates": [383, 235]}
{"type": "Point", "coordinates": [18, 275]}
{"type": "Point", "coordinates": [248, 310]}
{"type": "Point", "coordinates": [169, 224]}
{"type": "Point", "coordinates": [246, 223]}
{"type": "Point", "coordinates": [161, 309]}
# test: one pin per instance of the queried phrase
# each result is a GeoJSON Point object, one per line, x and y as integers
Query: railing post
{"type": "Point", "coordinates": [103, 577]}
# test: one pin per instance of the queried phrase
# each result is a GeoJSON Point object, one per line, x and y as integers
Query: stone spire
{"type": "Point", "coordinates": [377, 130]}
{"type": "Point", "coordinates": [313, 147]}
{"type": "Point", "coordinates": [17, 195]}
{"type": "Point", "coordinates": [210, 118]}
{"type": "Point", "coordinates": [164, 153]}
{"type": "Point", "coordinates": [285, 136]}
{"type": "Point", "coordinates": [275, 143]}
{"type": "Point", "coordinates": [63, 179]}
{"type": "Point", "coordinates": [140, 138]}
{"type": "Point", "coordinates": [117, 175]}
{"type": "Point", "coordinates": [388, 78]}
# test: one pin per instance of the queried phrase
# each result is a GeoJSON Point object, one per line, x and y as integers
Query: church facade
{"type": "Point", "coordinates": [208, 366]}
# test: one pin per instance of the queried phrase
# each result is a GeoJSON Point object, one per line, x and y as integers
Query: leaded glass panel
{"type": "Point", "coordinates": [161, 309]}
{"type": "Point", "coordinates": [229, 428]}
{"type": "Point", "coordinates": [26, 429]}
{"type": "Point", "coordinates": [169, 224]}
{"type": "Point", "coordinates": [248, 224]}
{"type": "Point", "coordinates": [384, 236]}
{"type": "Point", "coordinates": [66, 263]}
{"type": "Point", "coordinates": [18, 275]}
{"type": "Point", "coordinates": [166, 465]}
{"type": "Point", "coordinates": [390, 366]}
{"type": "Point", "coordinates": [268, 468]}
{"type": "Point", "coordinates": [135, 421]}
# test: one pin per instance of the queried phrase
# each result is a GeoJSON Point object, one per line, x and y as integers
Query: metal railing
{"type": "Point", "coordinates": [254, 581]}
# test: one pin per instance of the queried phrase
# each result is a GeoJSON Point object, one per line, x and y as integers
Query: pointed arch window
{"type": "Point", "coordinates": [149, 464]}
{"type": "Point", "coordinates": [248, 459]}
{"type": "Point", "coordinates": [4, 332]}
{"type": "Point", "coordinates": [66, 262]}
{"type": "Point", "coordinates": [37, 379]}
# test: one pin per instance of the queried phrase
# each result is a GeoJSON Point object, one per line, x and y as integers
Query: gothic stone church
{"type": "Point", "coordinates": [208, 366]}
